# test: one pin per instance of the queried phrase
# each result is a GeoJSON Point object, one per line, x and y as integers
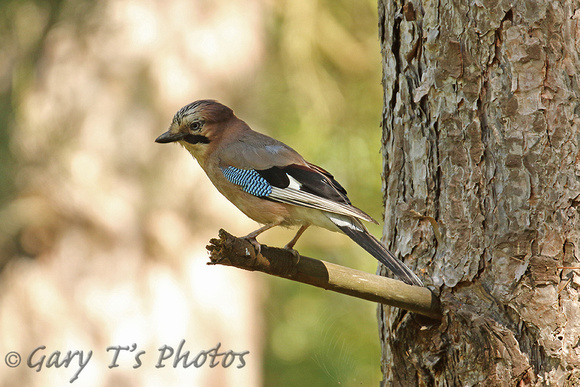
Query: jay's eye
{"type": "Point", "coordinates": [195, 126]}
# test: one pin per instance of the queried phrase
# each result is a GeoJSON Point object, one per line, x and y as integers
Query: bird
{"type": "Point", "coordinates": [270, 182]}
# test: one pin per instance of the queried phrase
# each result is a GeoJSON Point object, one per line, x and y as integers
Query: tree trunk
{"type": "Point", "coordinates": [481, 133]}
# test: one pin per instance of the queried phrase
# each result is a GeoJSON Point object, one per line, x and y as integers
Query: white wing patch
{"type": "Point", "coordinates": [294, 184]}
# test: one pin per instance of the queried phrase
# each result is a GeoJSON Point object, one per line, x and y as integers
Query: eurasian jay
{"type": "Point", "coordinates": [269, 181]}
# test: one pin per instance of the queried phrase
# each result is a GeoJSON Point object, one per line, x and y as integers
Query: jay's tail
{"type": "Point", "coordinates": [358, 233]}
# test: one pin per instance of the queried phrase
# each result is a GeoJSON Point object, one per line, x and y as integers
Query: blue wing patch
{"type": "Point", "coordinates": [250, 181]}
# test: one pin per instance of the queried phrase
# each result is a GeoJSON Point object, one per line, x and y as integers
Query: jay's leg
{"type": "Point", "coordinates": [290, 245]}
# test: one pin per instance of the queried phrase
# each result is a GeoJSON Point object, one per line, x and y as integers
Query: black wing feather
{"type": "Point", "coordinates": [312, 179]}
{"type": "Point", "coordinates": [275, 176]}
{"type": "Point", "coordinates": [317, 182]}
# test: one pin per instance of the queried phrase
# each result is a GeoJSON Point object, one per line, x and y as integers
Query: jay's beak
{"type": "Point", "coordinates": [170, 137]}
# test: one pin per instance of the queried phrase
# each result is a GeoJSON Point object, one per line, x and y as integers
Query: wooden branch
{"type": "Point", "coordinates": [231, 251]}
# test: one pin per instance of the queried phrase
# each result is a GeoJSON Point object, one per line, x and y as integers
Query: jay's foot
{"type": "Point", "coordinates": [254, 242]}
{"type": "Point", "coordinates": [295, 255]}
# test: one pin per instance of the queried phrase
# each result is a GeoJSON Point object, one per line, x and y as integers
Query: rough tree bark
{"type": "Point", "coordinates": [481, 133]}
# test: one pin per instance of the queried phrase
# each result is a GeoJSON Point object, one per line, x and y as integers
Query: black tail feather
{"type": "Point", "coordinates": [368, 242]}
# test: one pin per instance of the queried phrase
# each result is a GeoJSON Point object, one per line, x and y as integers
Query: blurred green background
{"type": "Point", "coordinates": [313, 82]}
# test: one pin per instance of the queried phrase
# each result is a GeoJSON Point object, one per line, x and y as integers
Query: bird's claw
{"type": "Point", "coordinates": [295, 255]}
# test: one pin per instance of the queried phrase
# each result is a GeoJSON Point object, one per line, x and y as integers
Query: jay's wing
{"type": "Point", "coordinates": [268, 168]}
{"type": "Point", "coordinates": [300, 185]}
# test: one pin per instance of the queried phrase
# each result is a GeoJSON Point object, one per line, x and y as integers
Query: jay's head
{"type": "Point", "coordinates": [200, 122]}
